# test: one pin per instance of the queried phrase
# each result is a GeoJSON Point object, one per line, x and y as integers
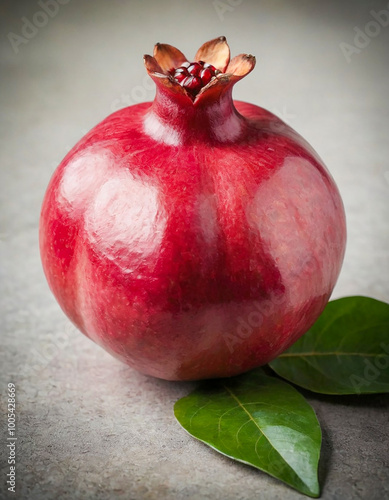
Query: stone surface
{"type": "Point", "coordinates": [88, 426]}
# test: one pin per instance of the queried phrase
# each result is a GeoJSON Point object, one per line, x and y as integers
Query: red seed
{"type": "Point", "coordinates": [210, 67]}
{"type": "Point", "coordinates": [192, 83]}
{"type": "Point", "coordinates": [206, 76]}
{"type": "Point", "coordinates": [180, 76]}
{"type": "Point", "coordinates": [194, 69]}
{"type": "Point", "coordinates": [181, 70]}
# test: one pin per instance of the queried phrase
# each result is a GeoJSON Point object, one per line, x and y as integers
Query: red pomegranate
{"type": "Point", "coordinates": [194, 236]}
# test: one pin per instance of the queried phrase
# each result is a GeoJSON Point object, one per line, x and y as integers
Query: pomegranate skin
{"type": "Point", "coordinates": [190, 238]}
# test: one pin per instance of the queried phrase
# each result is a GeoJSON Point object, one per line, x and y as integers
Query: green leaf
{"type": "Point", "coordinates": [260, 421]}
{"type": "Point", "coordinates": [345, 352]}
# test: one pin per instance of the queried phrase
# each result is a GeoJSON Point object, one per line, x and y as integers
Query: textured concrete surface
{"type": "Point", "coordinates": [88, 426]}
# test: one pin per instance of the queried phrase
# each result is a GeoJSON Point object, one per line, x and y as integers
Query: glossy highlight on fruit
{"type": "Point", "coordinates": [193, 236]}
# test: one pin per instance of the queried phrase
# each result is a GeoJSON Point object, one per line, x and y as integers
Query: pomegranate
{"type": "Point", "coordinates": [194, 236]}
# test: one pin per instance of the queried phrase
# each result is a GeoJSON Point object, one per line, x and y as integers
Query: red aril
{"type": "Point", "coordinates": [206, 76]}
{"type": "Point", "coordinates": [193, 237]}
{"type": "Point", "coordinates": [195, 68]}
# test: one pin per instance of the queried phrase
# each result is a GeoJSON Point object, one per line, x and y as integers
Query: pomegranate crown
{"type": "Point", "coordinates": [211, 68]}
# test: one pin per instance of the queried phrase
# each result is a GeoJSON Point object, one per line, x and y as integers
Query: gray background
{"type": "Point", "coordinates": [88, 426]}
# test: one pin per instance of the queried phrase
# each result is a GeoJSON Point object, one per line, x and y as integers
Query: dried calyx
{"type": "Point", "coordinates": [211, 66]}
